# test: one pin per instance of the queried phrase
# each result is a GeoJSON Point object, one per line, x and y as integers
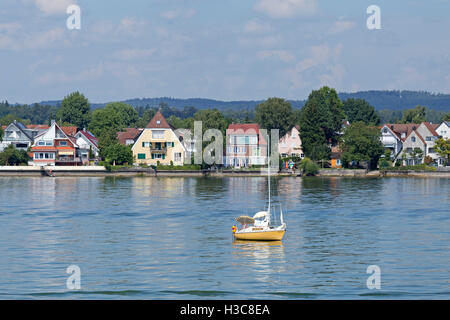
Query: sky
{"type": "Point", "coordinates": [220, 49]}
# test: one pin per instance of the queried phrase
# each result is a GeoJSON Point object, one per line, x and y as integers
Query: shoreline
{"type": "Point", "coordinates": [100, 171]}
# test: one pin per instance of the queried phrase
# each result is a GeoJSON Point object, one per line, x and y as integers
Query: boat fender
{"type": "Point", "coordinates": [234, 229]}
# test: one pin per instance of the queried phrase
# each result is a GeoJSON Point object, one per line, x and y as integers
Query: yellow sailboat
{"type": "Point", "coordinates": [259, 226]}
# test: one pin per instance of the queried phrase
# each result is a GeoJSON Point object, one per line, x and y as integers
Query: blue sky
{"type": "Point", "coordinates": [229, 49]}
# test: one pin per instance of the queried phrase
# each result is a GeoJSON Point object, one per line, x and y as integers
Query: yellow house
{"type": "Point", "coordinates": [158, 142]}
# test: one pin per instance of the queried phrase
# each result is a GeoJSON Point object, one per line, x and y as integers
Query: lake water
{"type": "Point", "coordinates": [170, 238]}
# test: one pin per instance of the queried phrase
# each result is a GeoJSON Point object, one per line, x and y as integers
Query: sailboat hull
{"type": "Point", "coordinates": [270, 235]}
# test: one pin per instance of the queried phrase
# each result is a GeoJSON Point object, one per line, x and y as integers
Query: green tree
{"type": "Point", "coordinates": [416, 154]}
{"type": "Point", "coordinates": [275, 113]}
{"type": "Point", "coordinates": [75, 109]}
{"type": "Point", "coordinates": [104, 121]}
{"type": "Point", "coordinates": [361, 143]}
{"type": "Point", "coordinates": [309, 167]}
{"type": "Point", "coordinates": [416, 115]}
{"type": "Point", "coordinates": [118, 154]}
{"type": "Point", "coordinates": [446, 117]}
{"type": "Point", "coordinates": [147, 115]}
{"type": "Point", "coordinates": [211, 119]}
{"type": "Point", "coordinates": [13, 157]}
{"type": "Point", "coordinates": [6, 120]}
{"type": "Point", "coordinates": [127, 113]}
{"type": "Point", "coordinates": [2, 133]}
{"type": "Point", "coordinates": [442, 147]}
{"type": "Point", "coordinates": [360, 110]}
{"type": "Point", "coordinates": [320, 122]}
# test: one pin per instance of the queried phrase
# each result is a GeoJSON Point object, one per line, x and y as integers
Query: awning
{"type": "Point", "coordinates": [245, 220]}
{"type": "Point", "coordinates": [65, 153]}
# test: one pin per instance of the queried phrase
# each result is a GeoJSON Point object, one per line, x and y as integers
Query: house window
{"type": "Point", "coordinates": [413, 139]}
{"type": "Point", "coordinates": [385, 130]}
{"type": "Point", "coordinates": [158, 134]}
{"type": "Point", "coordinates": [48, 143]}
{"type": "Point", "coordinates": [145, 144]}
{"type": "Point", "coordinates": [177, 156]}
{"type": "Point", "coordinates": [41, 143]}
{"type": "Point", "coordinates": [158, 156]}
{"type": "Point", "coordinates": [141, 156]}
{"type": "Point", "coordinates": [63, 143]}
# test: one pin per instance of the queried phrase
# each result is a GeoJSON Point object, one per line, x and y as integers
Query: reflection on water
{"type": "Point", "coordinates": [170, 238]}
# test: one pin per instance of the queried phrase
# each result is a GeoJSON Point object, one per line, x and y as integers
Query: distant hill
{"type": "Point", "coordinates": [392, 100]}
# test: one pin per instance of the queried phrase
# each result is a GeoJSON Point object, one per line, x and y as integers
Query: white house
{"type": "Point", "coordinates": [88, 145]}
{"type": "Point", "coordinates": [444, 130]}
{"type": "Point", "coordinates": [20, 136]}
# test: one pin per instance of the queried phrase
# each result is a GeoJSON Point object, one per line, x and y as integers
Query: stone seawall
{"type": "Point", "coordinates": [88, 171]}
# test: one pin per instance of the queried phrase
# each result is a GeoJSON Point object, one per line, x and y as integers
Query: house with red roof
{"type": "Point", "coordinates": [158, 143]}
{"type": "Point", "coordinates": [55, 147]}
{"type": "Point", "coordinates": [88, 145]}
{"type": "Point", "coordinates": [403, 139]}
{"type": "Point", "coordinates": [246, 145]}
{"type": "Point", "coordinates": [129, 136]}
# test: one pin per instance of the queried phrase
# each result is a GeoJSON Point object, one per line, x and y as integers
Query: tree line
{"type": "Point", "coordinates": [320, 120]}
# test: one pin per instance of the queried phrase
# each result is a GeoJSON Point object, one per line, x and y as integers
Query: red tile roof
{"type": "Point", "coordinates": [128, 134]}
{"type": "Point", "coordinates": [70, 131]}
{"type": "Point", "coordinates": [399, 128]}
{"type": "Point", "coordinates": [246, 128]}
{"type": "Point", "coordinates": [37, 126]}
{"type": "Point", "coordinates": [90, 137]}
{"type": "Point", "coordinates": [159, 122]}
{"type": "Point", "coordinates": [431, 128]}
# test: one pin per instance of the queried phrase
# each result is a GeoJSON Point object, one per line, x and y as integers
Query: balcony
{"type": "Point", "coordinates": [68, 160]}
{"type": "Point", "coordinates": [158, 147]}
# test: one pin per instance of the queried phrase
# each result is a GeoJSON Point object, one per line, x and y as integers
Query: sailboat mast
{"type": "Point", "coordinates": [268, 170]}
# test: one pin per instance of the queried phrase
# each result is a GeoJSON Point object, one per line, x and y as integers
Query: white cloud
{"type": "Point", "coordinates": [286, 8]}
{"type": "Point", "coordinates": [256, 26]}
{"type": "Point", "coordinates": [281, 55]}
{"type": "Point", "coordinates": [321, 65]}
{"type": "Point", "coordinates": [263, 41]}
{"type": "Point", "coordinates": [53, 7]}
{"type": "Point", "coordinates": [38, 40]}
{"type": "Point", "coordinates": [178, 13]}
{"type": "Point", "coordinates": [132, 54]}
{"type": "Point", "coordinates": [10, 27]}
{"type": "Point", "coordinates": [341, 26]}
{"type": "Point", "coordinates": [88, 74]}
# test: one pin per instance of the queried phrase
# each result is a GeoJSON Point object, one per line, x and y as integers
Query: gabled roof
{"type": "Point", "coordinates": [431, 128]}
{"type": "Point", "coordinates": [69, 131]}
{"type": "Point", "coordinates": [128, 134]}
{"type": "Point", "coordinates": [21, 127]}
{"type": "Point", "coordinates": [399, 128]}
{"type": "Point", "coordinates": [37, 126]}
{"type": "Point", "coordinates": [158, 122]}
{"type": "Point", "coordinates": [418, 135]}
{"type": "Point", "coordinates": [91, 138]}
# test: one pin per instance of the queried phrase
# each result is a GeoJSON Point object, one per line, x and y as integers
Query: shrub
{"type": "Point", "coordinates": [384, 164]}
{"type": "Point", "coordinates": [309, 167]}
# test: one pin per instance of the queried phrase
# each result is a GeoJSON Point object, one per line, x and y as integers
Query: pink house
{"type": "Point", "coordinates": [290, 144]}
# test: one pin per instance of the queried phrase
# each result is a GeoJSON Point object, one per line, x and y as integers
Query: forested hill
{"type": "Point", "coordinates": [392, 100]}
